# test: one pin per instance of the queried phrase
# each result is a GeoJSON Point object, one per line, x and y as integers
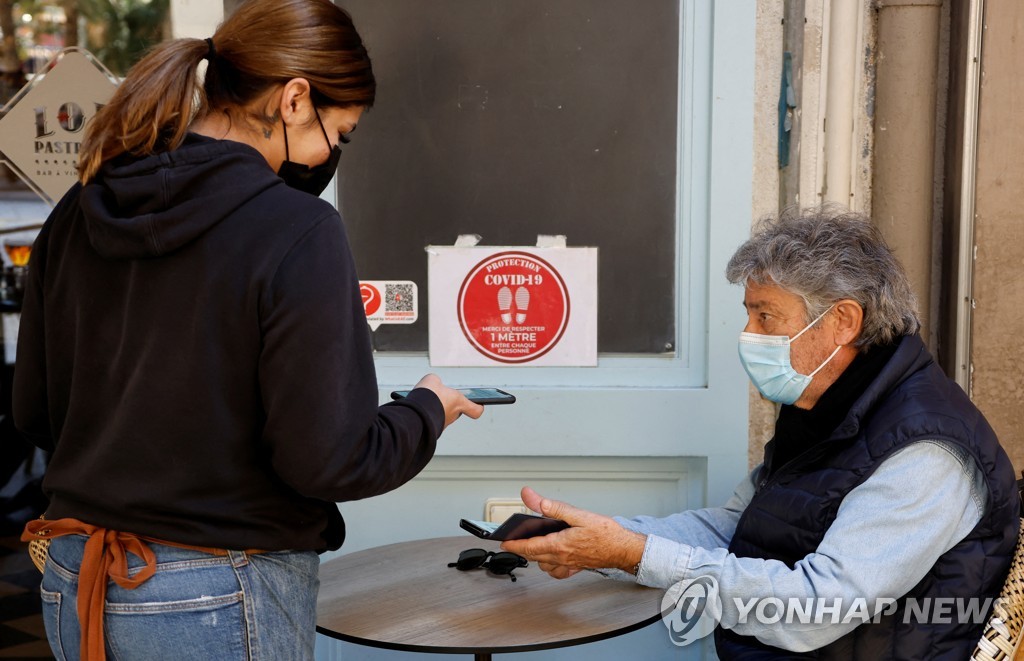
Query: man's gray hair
{"type": "Point", "coordinates": [827, 254]}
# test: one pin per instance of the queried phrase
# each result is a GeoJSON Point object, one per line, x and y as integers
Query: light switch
{"type": "Point", "coordinates": [499, 509]}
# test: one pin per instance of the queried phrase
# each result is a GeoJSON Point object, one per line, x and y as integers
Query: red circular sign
{"type": "Point", "coordinates": [371, 298]}
{"type": "Point", "coordinates": [513, 307]}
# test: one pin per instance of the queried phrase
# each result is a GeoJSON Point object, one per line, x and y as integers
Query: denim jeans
{"type": "Point", "coordinates": [197, 606]}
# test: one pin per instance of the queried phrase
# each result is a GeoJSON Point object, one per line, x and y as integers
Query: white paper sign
{"type": "Point", "coordinates": [494, 306]}
{"type": "Point", "coordinates": [389, 301]}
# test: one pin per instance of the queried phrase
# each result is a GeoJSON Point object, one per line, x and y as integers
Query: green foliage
{"type": "Point", "coordinates": [127, 29]}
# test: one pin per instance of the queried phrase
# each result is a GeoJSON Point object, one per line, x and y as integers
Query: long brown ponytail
{"type": "Point", "coordinates": [262, 44]}
{"type": "Point", "coordinates": [151, 109]}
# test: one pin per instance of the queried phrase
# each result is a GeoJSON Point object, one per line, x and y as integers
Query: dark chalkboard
{"type": "Point", "coordinates": [513, 118]}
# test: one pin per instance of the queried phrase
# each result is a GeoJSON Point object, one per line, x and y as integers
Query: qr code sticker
{"type": "Point", "coordinates": [398, 298]}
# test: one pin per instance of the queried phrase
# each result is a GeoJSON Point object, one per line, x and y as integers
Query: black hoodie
{"type": "Point", "coordinates": [194, 351]}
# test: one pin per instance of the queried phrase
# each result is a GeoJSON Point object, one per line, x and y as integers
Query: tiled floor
{"type": "Point", "coordinates": [21, 625]}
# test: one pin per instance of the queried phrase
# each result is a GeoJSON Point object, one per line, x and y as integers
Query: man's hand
{"type": "Point", "coordinates": [594, 541]}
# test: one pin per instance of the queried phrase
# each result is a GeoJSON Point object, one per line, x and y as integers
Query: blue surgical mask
{"type": "Point", "coordinates": [766, 360]}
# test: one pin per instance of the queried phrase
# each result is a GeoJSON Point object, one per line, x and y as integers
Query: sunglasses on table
{"type": "Point", "coordinates": [499, 563]}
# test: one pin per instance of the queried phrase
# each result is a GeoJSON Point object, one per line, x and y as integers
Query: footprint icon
{"type": "Point", "coordinates": [522, 304]}
{"type": "Point", "coordinates": [505, 303]}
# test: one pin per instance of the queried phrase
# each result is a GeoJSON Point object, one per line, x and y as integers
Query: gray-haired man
{"type": "Point", "coordinates": [883, 485]}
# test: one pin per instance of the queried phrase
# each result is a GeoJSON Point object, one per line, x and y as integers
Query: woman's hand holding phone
{"type": "Point", "coordinates": [453, 401]}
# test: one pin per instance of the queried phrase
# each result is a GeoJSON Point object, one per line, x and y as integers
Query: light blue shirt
{"type": "Point", "coordinates": [887, 534]}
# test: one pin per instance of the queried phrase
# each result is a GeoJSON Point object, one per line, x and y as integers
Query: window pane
{"type": "Point", "coordinates": [513, 119]}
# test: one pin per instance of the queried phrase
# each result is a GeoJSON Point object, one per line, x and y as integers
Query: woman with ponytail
{"type": "Point", "coordinates": [194, 352]}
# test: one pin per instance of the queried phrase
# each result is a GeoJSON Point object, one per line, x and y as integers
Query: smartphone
{"type": "Point", "coordinates": [517, 526]}
{"type": "Point", "coordinates": [476, 395]}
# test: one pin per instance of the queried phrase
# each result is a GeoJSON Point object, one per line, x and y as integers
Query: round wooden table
{"type": "Point", "coordinates": [405, 597]}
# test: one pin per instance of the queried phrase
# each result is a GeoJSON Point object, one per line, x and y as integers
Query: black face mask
{"type": "Point", "coordinates": [312, 180]}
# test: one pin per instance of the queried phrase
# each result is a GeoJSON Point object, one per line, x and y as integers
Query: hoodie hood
{"type": "Point", "coordinates": [137, 208]}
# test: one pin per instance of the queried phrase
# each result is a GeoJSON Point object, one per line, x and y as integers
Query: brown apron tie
{"type": "Point", "coordinates": [106, 556]}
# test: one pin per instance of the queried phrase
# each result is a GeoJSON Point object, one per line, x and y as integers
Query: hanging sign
{"type": "Point", "coordinates": [43, 125]}
{"type": "Point", "coordinates": [389, 301]}
{"type": "Point", "coordinates": [513, 306]}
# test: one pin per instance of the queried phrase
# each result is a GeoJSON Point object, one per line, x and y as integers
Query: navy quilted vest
{"type": "Point", "coordinates": [789, 514]}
